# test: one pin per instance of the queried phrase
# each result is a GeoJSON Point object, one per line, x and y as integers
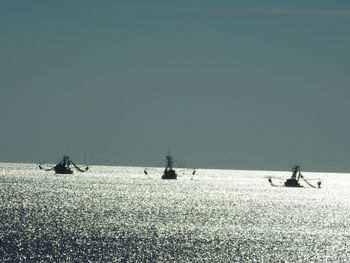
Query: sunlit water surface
{"type": "Point", "coordinates": [119, 214]}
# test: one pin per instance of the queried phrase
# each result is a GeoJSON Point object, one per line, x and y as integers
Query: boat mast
{"type": "Point", "coordinates": [66, 161]}
{"type": "Point", "coordinates": [295, 170]}
{"type": "Point", "coordinates": [169, 162]}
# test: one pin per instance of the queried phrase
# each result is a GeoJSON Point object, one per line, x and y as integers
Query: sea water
{"type": "Point", "coordinates": [120, 214]}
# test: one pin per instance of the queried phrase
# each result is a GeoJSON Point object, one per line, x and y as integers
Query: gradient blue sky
{"type": "Point", "coordinates": [224, 84]}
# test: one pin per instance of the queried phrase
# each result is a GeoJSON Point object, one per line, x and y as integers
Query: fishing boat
{"type": "Point", "coordinates": [169, 172]}
{"type": "Point", "coordinates": [294, 180]}
{"type": "Point", "coordinates": [64, 166]}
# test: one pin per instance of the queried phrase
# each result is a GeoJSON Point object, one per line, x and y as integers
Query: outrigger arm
{"type": "Point", "coordinates": [49, 169]}
{"type": "Point", "coordinates": [79, 169]}
{"type": "Point", "coordinates": [63, 167]}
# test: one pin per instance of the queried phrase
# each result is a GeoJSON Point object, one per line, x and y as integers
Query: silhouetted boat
{"type": "Point", "coordinates": [294, 180]}
{"type": "Point", "coordinates": [63, 167]}
{"type": "Point", "coordinates": [169, 172]}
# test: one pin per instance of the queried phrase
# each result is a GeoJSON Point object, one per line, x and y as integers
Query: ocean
{"type": "Point", "coordinates": [120, 214]}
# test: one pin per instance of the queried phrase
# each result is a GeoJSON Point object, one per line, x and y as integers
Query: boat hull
{"type": "Point", "coordinates": [63, 170]}
{"type": "Point", "coordinates": [169, 174]}
{"type": "Point", "coordinates": [292, 183]}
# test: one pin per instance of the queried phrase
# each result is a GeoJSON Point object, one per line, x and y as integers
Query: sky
{"type": "Point", "coordinates": [222, 84]}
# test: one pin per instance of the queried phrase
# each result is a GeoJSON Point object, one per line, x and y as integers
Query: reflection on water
{"type": "Point", "coordinates": [120, 214]}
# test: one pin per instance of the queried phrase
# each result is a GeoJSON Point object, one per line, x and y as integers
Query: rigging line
{"type": "Point", "coordinates": [160, 164]}
{"type": "Point", "coordinates": [78, 168]}
{"type": "Point", "coordinates": [46, 169]}
{"type": "Point", "coordinates": [306, 181]}
{"type": "Point", "coordinates": [279, 178]}
{"type": "Point", "coordinates": [183, 165]}
{"type": "Point", "coordinates": [41, 166]}
{"type": "Point", "coordinates": [314, 179]}
{"type": "Point", "coordinates": [272, 184]}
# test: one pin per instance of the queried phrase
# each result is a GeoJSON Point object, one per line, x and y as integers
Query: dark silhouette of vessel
{"type": "Point", "coordinates": [294, 180]}
{"type": "Point", "coordinates": [169, 172]}
{"type": "Point", "coordinates": [64, 166]}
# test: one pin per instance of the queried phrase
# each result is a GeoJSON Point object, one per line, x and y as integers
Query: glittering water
{"type": "Point", "coordinates": [119, 214]}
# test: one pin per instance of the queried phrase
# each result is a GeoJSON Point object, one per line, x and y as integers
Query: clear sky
{"type": "Point", "coordinates": [223, 84]}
